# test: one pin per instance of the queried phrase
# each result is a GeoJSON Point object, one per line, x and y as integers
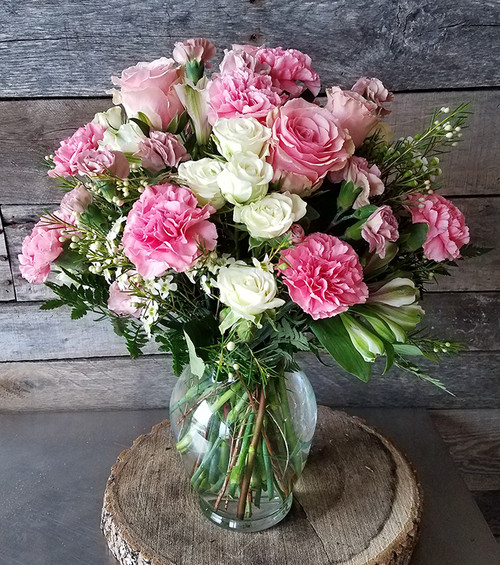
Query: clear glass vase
{"type": "Point", "coordinates": [243, 449]}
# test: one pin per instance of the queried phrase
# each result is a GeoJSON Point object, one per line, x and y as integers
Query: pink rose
{"type": "Point", "coordinates": [447, 229]}
{"type": "Point", "coordinates": [323, 275]}
{"type": "Point", "coordinates": [306, 143]}
{"type": "Point", "coordinates": [374, 91]}
{"type": "Point", "coordinates": [352, 112]}
{"type": "Point", "coordinates": [287, 66]}
{"type": "Point", "coordinates": [198, 49]}
{"type": "Point", "coordinates": [122, 301]}
{"type": "Point", "coordinates": [66, 157]}
{"type": "Point", "coordinates": [161, 150]}
{"type": "Point", "coordinates": [379, 228]}
{"type": "Point", "coordinates": [297, 233]}
{"type": "Point", "coordinates": [149, 88]}
{"type": "Point", "coordinates": [103, 161]}
{"type": "Point", "coordinates": [76, 201]}
{"type": "Point", "coordinates": [241, 93]}
{"type": "Point", "coordinates": [165, 230]}
{"type": "Point", "coordinates": [363, 176]}
{"type": "Point", "coordinates": [42, 247]}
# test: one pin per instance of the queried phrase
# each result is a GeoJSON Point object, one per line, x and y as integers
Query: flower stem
{"type": "Point", "coordinates": [252, 452]}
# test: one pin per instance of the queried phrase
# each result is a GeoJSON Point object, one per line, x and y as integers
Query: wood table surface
{"type": "Point", "coordinates": [54, 467]}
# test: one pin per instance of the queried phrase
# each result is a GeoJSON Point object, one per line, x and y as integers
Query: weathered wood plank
{"type": "Point", "coordinates": [121, 382]}
{"type": "Point", "coordinates": [51, 49]}
{"type": "Point", "coordinates": [29, 333]}
{"type": "Point", "coordinates": [6, 282]}
{"type": "Point", "coordinates": [473, 437]}
{"type": "Point", "coordinates": [38, 125]}
{"type": "Point", "coordinates": [474, 274]}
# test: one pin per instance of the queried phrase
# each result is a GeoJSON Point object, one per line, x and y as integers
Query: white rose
{"type": "Point", "coordinates": [241, 135]}
{"type": "Point", "coordinates": [248, 291]}
{"type": "Point", "coordinates": [201, 177]}
{"type": "Point", "coordinates": [125, 139]}
{"type": "Point", "coordinates": [112, 118]}
{"type": "Point", "coordinates": [271, 216]}
{"type": "Point", "coordinates": [245, 178]}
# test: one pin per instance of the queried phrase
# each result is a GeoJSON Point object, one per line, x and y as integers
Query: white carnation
{"type": "Point", "coordinates": [201, 177]}
{"type": "Point", "coordinates": [241, 135]}
{"type": "Point", "coordinates": [271, 216]}
{"type": "Point", "coordinates": [248, 291]}
{"type": "Point", "coordinates": [245, 178]}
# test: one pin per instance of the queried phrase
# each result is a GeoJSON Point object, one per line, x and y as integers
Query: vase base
{"type": "Point", "coordinates": [254, 524]}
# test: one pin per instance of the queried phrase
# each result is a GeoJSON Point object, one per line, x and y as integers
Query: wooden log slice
{"type": "Point", "coordinates": [357, 503]}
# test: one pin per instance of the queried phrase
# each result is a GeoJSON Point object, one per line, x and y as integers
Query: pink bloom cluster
{"type": "Point", "coordinates": [103, 161]}
{"type": "Point", "coordinates": [161, 150]}
{"type": "Point", "coordinates": [323, 275]}
{"type": "Point", "coordinates": [199, 49]}
{"type": "Point", "coordinates": [374, 91]}
{"type": "Point", "coordinates": [447, 230]}
{"type": "Point", "coordinates": [122, 301]}
{"type": "Point", "coordinates": [362, 175]}
{"type": "Point", "coordinates": [166, 230]}
{"type": "Point", "coordinates": [307, 142]}
{"type": "Point", "coordinates": [149, 88]}
{"type": "Point", "coordinates": [255, 80]}
{"type": "Point", "coordinates": [43, 246]}
{"type": "Point", "coordinates": [380, 228]}
{"type": "Point", "coordinates": [66, 158]}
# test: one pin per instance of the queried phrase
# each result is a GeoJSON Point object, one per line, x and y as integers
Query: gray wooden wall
{"type": "Point", "coordinates": [56, 58]}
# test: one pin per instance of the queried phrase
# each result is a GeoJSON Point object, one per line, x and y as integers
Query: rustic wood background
{"type": "Point", "coordinates": [56, 58]}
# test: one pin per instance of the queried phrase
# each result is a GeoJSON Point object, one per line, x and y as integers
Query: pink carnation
{"type": "Point", "coordinates": [374, 91]}
{"type": "Point", "coordinates": [307, 142]}
{"type": "Point", "coordinates": [161, 150]}
{"type": "Point", "coordinates": [241, 93]}
{"type": "Point", "coordinates": [297, 233]}
{"type": "Point", "coordinates": [165, 230]}
{"type": "Point", "coordinates": [103, 161]}
{"type": "Point", "coordinates": [198, 49]}
{"type": "Point", "coordinates": [353, 112]}
{"type": "Point", "coordinates": [447, 229]}
{"type": "Point", "coordinates": [66, 157]}
{"type": "Point", "coordinates": [242, 57]}
{"type": "Point", "coordinates": [149, 88]}
{"type": "Point", "coordinates": [75, 201]}
{"type": "Point", "coordinates": [42, 247]}
{"type": "Point", "coordinates": [287, 67]}
{"type": "Point", "coordinates": [122, 301]}
{"type": "Point", "coordinates": [323, 275]}
{"type": "Point", "coordinates": [362, 175]}
{"type": "Point", "coordinates": [379, 228]}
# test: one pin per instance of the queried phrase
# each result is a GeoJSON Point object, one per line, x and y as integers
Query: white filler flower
{"type": "Point", "coordinates": [245, 178]}
{"type": "Point", "coordinates": [271, 216]}
{"type": "Point", "coordinates": [241, 135]}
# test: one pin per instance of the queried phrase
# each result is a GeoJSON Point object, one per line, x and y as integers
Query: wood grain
{"type": "Point", "coordinates": [473, 437]}
{"type": "Point", "coordinates": [39, 125]}
{"type": "Point", "coordinates": [6, 282]}
{"type": "Point", "coordinates": [354, 476]}
{"type": "Point", "coordinates": [51, 49]}
{"type": "Point", "coordinates": [122, 383]}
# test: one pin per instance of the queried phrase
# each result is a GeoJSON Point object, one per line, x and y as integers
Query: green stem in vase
{"type": "Point", "coordinates": [269, 471]}
{"type": "Point", "coordinates": [252, 451]}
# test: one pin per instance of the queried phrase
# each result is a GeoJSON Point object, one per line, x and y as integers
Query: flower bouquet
{"type": "Point", "coordinates": [236, 220]}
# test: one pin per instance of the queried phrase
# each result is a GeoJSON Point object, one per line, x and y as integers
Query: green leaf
{"type": "Point", "coordinates": [407, 349]}
{"type": "Point", "coordinates": [51, 304]}
{"type": "Point", "coordinates": [196, 363]}
{"type": "Point", "coordinates": [364, 212]}
{"type": "Point", "coordinates": [335, 339]}
{"type": "Point", "coordinates": [416, 237]}
{"type": "Point", "coordinates": [78, 311]}
{"type": "Point", "coordinates": [389, 356]}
